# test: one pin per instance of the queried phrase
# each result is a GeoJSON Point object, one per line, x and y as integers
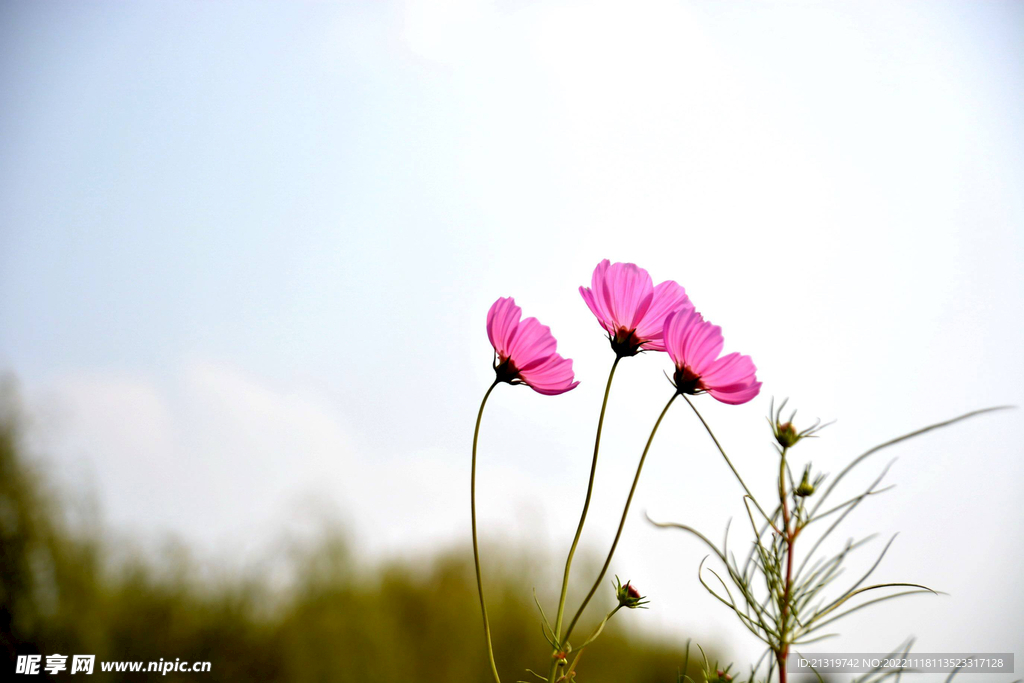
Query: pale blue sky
{"type": "Point", "coordinates": [246, 251]}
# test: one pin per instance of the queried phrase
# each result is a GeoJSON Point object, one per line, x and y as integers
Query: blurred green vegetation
{"type": "Point", "coordinates": [66, 588]}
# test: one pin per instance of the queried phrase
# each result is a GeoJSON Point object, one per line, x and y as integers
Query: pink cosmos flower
{"type": "Point", "coordinates": [630, 308]}
{"type": "Point", "coordinates": [694, 345]}
{"type": "Point", "coordinates": [526, 351]}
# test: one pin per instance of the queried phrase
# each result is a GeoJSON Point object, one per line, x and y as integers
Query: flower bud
{"type": "Point", "coordinates": [628, 596]}
{"type": "Point", "coordinates": [786, 434]}
{"type": "Point", "coordinates": [806, 488]}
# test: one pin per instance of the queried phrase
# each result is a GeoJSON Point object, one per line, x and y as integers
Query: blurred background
{"type": "Point", "coordinates": [246, 254]}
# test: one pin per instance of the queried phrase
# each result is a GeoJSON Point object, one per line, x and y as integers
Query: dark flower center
{"type": "Point", "coordinates": [625, 343]}
{"type": "Point", "coordinates": [686, 382]}
{"type": "Point", "coordinates": [506, 371]}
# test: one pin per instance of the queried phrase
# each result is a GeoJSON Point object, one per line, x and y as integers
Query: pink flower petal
{"type": "Point", "coordinates": [627, 291]}
{"type": "Point", "coordinates": [629, 307]}
{"type": "Point", "coordinates": [668, 298]}
{"type": "Point", "coordinates": [731, 369]}
{"type": "Point", "coordinates": [553, 376]}
{"type": "Point", "coordinates": [694, 345]}
{"type": "Point", "coordinates": [704, 344]}
{"type": "Point", "coordinates": [685, 332]}
{"type": "Point", "coordinates": [502, 319]}
{"type": "Point", "coordinates": [532, 342]}
{"type": "Point", "coordinates": [736, 394]}
{"type": "Point", "coordinates": [527, 351]}
{"type": "Point", "coordinates": [592, 304]}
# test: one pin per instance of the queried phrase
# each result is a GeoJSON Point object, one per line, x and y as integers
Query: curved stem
{"type": "Point", "coordinates": [476, 549]}
{"type": "Point", "coordinates": [622, 522]}
{"type": "Point", "coordinates": [727, 461]}
{"type": "Point", "coordinates": [583, 517]}
{"type": "Point", "coordinates": [787, 537]}
{"type": "Point", "coordinates": [586, 502]}
{"type": "Point", "coordinates": [571, 672]}
{"type": "Point", "coordinates": [600, 627]}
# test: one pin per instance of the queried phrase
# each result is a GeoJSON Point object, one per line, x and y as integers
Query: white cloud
{"type": "Point", "coordinates": [217, 456]}
{"type": "Point", "coordinates": [212, 454]}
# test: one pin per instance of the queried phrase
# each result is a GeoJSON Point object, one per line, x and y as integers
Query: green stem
{"type": "Point", "coordinates": [586, 503]}
{"type": "Point", "coordinates": [727, 461]}
{"type": "Point", "coordinates": [600, 627]}
{"type": "Point", "coordinates": [622, 522]}
{"type": "Point", "coordinates": [583, 517]}
{"type": "Point", "coordinates": [787, 537]}
{"type": "Point", "coordinates": [476, 549]}
{"type": "Point", "coordinates": [568, 675]}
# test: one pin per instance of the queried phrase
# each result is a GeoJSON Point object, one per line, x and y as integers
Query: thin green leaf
{"type": "Point", "coordinates": [924, 589]}
{"type": "Point", "coordinates": [910, 435]}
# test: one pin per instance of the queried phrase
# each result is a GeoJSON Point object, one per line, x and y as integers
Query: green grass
{"type": "Point", "coordinates": [70, 589]}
